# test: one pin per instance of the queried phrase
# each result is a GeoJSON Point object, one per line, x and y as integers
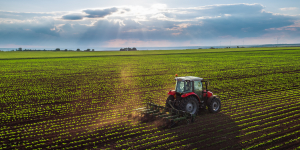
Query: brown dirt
{"type": "Point", "coordinates": [210, 131]}
{"type": "Point", "coordinates": [110, 127]}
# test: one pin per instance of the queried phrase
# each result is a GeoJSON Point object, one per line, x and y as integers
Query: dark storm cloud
{"type": "Point", "coordinates": [104, 30]}
{"type": "Point", "coordinates": [239, 20]}
{"type": "Point", "coordinates": [249, 23]}
{"type": "Point", "coordinates": [202, 23]}
{"type": "Point", "coordinates": [237, 26]}
{"type": "Point", "coordinates": [26, 33]}
{"type": "Point", "coordinates": [91, 13]}
{"type": "Point", "coordinates": [67, 27]}
{"type": "Point", "coordinates": [73, 17]}
{"type": "Point", "coordinates": [100, 13]}
{"type": "Point", "coordinates": [252, 25]}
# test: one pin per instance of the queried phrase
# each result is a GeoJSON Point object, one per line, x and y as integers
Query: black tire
{"type": "Point", "coordinates": [215, 105]}
{"type": "Point", "coordinates": [190, 104]}
{"type": "Point", "coordinates": [171, 97]}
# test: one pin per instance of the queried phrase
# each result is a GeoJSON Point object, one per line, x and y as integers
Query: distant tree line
{"type": "Point", "coordinates": [128, 49]}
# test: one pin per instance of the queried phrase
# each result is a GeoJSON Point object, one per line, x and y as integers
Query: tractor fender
{"type": "Point", "coordinates": [172, 92]}
{"type": "Point", "coordinates": [210, 98]}
{"type": "Point", "coordinates": [190, 94]}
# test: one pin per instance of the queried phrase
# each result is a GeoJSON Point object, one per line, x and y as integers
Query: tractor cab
{"type": "Point", "coordinates": [190, 84]}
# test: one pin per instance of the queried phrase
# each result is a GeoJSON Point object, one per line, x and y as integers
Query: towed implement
{"type": "Point", "coordinates": [183, 103]}
{"type": "Point", "coordinates": [169, 116]}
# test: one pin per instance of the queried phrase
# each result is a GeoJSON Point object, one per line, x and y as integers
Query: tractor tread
{"type": "Point", "coordinates": [184, 102]}
{"type": "Point", "coordinates": [210, 107]}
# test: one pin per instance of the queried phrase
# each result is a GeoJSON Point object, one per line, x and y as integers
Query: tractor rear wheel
{"type": "Point", "coordinates": [189, 104]}
{"type": "Point", "coordinates": [214, 106]}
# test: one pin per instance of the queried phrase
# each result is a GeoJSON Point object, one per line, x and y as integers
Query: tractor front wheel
{"type": "Point", "coordinates": [214, 106]}
{"type": "Point", "coordinates": [170, 98]}
{"type": "Point", "coordinates": [190, 104]}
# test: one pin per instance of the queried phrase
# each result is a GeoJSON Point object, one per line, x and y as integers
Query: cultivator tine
{"type": "Point", "coordinates": [180, 118]}
{"type": "Point", "coordinates": [164, 115]}
{"type": "Point", "coordinates": [170, 116]}
{"type": "Point", "coordinates": [150, 112]}
{"type": "Point", "coordinates": [142, 110]}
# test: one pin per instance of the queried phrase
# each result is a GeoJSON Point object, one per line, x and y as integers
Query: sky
{"type": "Point", "coordinates": [147, 23]}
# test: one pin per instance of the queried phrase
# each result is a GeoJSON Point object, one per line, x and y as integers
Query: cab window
{"type": "Point", "coordinates": [197, 86]}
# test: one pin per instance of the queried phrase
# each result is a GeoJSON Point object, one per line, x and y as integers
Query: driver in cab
{"type": "Point", "coordinates": [188, 87]}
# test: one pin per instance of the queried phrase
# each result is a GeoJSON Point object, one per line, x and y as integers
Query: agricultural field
{"type": "Point", "coordinates": [81, 100]}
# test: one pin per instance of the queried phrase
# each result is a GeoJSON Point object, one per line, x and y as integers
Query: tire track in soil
{"type": "Point", "coordinates": [253, 135]}
{"type": "Point", "coordinates": [269, 124]}
{"type": "Point", "coordinates": [195, 130]}
{"type": "Point", "coordinates": [209, 120]}
{"type": "Point", "coordinates": [233, 136]}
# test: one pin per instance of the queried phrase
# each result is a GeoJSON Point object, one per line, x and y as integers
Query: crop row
{"type": "Point", "coordinates": [41, 100]}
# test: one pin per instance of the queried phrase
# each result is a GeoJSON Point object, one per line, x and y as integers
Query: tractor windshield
{"type": "Point", "coordinates": [179, 86]}
{"type": "Point", "coordinates": [183, 86]}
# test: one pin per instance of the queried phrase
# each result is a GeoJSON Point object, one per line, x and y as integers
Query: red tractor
{"type": "Point", "coordinates": [183, 103]}
{"type": "Point", "coordinates": [190, 96]}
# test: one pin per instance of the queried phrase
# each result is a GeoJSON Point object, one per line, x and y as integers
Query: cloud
{"type": "Point", "coordinates": [159, 6]}
{"type": "Point", "coordinates": [91, 13]}
{"type": "Point", "coordinates": [28, 33]}
{"type": "Point", "coordinates": [147, 25]}
{"type": "Point", "coordinates": [213, 11]}
{"type": "Point", "coordinates": [100, 13]}
{"type": "Point", "coordinates": [127, 9]}
{"type": "Point", "coordinates": [288, 8]}
{"type": "Point", "coordinates": [24, 15]}
{"type": "Point", "coordinates": [236, 20]}
{"type": "Point", "coordinates": [293, 27]}
{"type": "Point", "coordinates": [73, 17]}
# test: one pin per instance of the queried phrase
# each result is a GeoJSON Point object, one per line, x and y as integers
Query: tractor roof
{"type": "Point", "coordinates": [190, 78]}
